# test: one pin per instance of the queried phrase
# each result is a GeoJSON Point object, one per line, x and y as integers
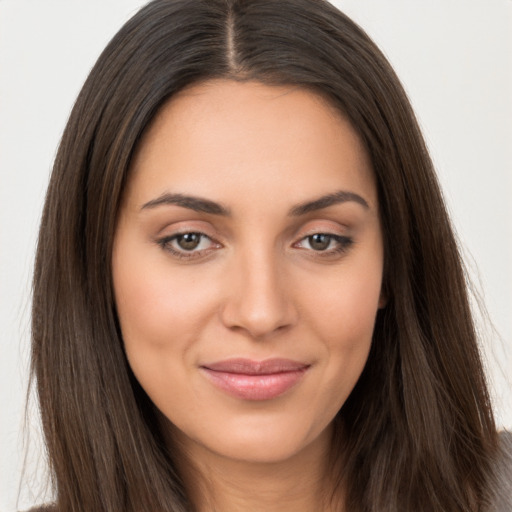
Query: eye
{"type": "Point", "coordinates": [325, 243]}
{"type": "Point", "coordinates": [319, 241]}
{"type": "Point", "coordinates": [189, 241]}
{"type": "Point", "coordinates": [187, 245]}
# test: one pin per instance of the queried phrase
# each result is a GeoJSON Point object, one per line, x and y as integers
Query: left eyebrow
{"type": "Point", "coordinates": [341, 196]}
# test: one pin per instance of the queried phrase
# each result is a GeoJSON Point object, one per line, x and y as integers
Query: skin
{"type": "Point", "coordinates": [255, 287]}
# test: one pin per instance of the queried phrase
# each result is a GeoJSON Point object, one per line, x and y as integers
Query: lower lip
{"type": "Point", "coordinates": [255, 387]}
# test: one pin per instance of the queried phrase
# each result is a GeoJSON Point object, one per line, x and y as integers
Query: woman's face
{"type": "Point", "coordinates": [247, 267]}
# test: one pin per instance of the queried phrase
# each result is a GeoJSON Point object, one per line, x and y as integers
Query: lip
{"type": "Point", "coordinates": [255, 380]}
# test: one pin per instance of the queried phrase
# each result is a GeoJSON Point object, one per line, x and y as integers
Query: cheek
{"type": "Point", "coordinates": [157, 306]}
{"type": "Point", "coordinates": [158, 341]}
{"type": "Point", "coordinates": [161, 315]}
{"type": "Point", "coordinates": [343, 317]}
{"type": "Point", "coordinates": [347, 336]}
{"type": "Point", "coordinates": [344, 311]}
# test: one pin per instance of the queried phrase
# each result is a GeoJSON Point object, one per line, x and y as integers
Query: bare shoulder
{"type": "Point", "coordinates": [500, 491]}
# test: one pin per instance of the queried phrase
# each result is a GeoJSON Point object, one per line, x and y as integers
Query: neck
{"type": "Point", "coordinates": [300, 484]}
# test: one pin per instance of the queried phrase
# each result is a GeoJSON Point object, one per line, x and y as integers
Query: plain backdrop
{"type": "Point", "coordinates": [455, 60]}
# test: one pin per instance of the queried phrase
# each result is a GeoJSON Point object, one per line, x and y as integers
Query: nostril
{"type": "Point", "coordinates": [258, 319]}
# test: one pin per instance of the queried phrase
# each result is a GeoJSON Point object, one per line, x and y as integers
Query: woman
{"type": "Point", "coordinates": [247, 292]}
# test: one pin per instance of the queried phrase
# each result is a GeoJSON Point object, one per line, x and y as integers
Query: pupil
{"type": "Point", "coordinates": [319, 242]}
{"type": "Point", "coordinates": [189, 241]}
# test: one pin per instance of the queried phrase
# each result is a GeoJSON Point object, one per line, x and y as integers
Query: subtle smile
{"type": "Point", "coordinates": [255, 380]}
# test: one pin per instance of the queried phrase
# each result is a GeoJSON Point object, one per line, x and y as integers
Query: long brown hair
{"type": "Point", "coordinates": [417, 432]}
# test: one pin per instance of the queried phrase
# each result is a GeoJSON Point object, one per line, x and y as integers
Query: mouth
{"type": "Point", "coordinates": [255, 380]}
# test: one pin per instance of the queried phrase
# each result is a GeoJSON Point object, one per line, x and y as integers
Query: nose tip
{"type": "Point", "coordinates": [259, 303]}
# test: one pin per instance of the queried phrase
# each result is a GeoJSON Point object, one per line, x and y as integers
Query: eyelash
{"type": "Point", "coordinates": [343, 244]}
{"type": "Point", "coordinates": [166, 244]}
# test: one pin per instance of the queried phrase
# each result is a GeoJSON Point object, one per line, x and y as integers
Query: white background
{"type": "Point", "coordinates": [455, 59]}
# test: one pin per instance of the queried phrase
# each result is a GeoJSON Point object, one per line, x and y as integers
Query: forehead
{"type": "Point", "coordinates": [220, 137]}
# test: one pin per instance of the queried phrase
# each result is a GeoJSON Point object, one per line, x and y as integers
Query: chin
{"type": "Point", "coordinates": [257, 442]}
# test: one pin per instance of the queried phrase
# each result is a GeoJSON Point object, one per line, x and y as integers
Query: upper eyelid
{"type": "Point", "coordinates": [326, 231]}
{"type": "Point", "coordinates": [334, 226]}
{"type": "Point", "coordinates": [307, 234]}
{"type": "Point", "coordinates": [299, 233]}
{"type": "Point", "coordinates": [332, 231]}
{"type": "Point", "coordinates": [169, 238]}
{"type": "Point", "coordinates": [168, 233]}
{"type": "Point", "coordinates": [166, 244]}
{"type": "Point", "coordinates": [174, 236]}
{"type": "Point", "coordinates": [337, 237]}
{"type": "Point", "coordinates": [224, 236]}
{"type": "Point", "coordinates": [324, 223]}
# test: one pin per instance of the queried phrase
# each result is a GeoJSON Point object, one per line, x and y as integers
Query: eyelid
{"type": "Point", "coordinates": [341, 239]}
{"type": "Point", "coordinates": [334, 230]}
{"type": "Point", "coordinates": [165, 242]}
{"type": "Point", "coordinates": [322, 226]}
{"type": "Point", "coordinates": [179, 227]}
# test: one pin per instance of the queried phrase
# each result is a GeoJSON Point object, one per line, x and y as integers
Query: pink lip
{"type": "Point", "coordinates": [255, 380]}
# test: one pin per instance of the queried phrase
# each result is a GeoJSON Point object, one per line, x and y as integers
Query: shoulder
{"type": "Point", "coordinates": [500, 490]}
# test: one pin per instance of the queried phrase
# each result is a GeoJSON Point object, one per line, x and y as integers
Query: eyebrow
{"type": "Point", "coordinates": [341, 196]}
{"type": "Point", "coordinates": [197, 204]}
{"type": "Point", "coordinates": [203, 205]}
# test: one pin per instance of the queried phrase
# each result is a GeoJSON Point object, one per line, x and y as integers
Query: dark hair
{"type": "Point", "coordinates": [418, 430]}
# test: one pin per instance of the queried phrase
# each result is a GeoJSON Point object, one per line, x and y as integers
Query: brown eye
{"type": "Point", "coordinates": [325, 244]}
{"type": "Point", "coordinates": [319, 241]}
{"type": "Point", "coordinates": [189, 241]}
{"type": "Point", "coordinates": [188, 245]}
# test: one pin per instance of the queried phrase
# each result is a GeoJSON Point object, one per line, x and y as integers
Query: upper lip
{"type": "Point", "coordinates": [250, 367]}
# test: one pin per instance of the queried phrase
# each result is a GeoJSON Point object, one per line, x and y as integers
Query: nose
{"type": "Point", "coordinates": [260, 299]}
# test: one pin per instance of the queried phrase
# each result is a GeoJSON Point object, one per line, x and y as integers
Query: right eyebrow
{"type": "Point", "coordinates": [198, 204]}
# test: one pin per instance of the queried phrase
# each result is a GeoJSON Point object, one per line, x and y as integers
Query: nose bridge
{"type": "Point", "coordinates": [259, 300]}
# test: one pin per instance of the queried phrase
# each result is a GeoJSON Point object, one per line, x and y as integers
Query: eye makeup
{"type": "Point", "coordinates": [191, 245]}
